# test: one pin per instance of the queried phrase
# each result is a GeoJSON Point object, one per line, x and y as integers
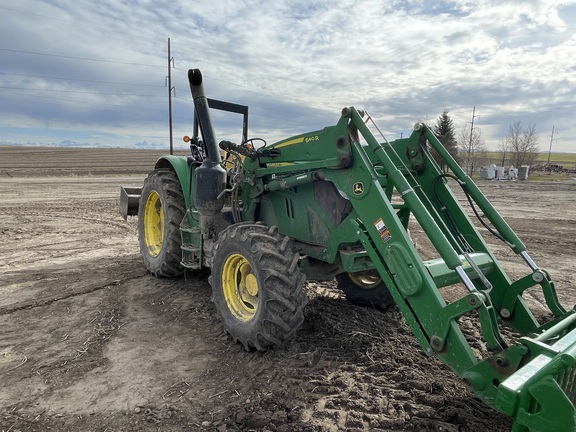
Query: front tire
{"type": "Point", "coordinates": [257, 287]}
{"type": "Point", "coordinates": [365, 288]}
{"type": "Point", "coordinates": [160, 212]}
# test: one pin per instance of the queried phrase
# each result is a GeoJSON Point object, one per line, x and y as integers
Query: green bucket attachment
{"type": "Point", "coordinates": [541, 395]}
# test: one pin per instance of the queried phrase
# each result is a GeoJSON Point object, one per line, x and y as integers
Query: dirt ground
{"type": "Point", "coordinates": [90, 342]}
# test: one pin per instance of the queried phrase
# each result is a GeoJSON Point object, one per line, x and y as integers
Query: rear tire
{"type": "Point", "coordinates": [257, 287]}
{"type": "Point", "coordinates": [365, 289]}
{"type": "Point", "coordinates": [160, 213]}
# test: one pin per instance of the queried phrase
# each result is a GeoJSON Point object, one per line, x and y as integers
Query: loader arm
{"type": "Point", "coordinates": [533, 379]}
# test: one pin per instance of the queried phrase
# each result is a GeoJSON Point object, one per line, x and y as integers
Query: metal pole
{"type": "Point", "coordinates": [468, 168]}
{"type": "Point", "coordinates": [170, 88]}
{"type": "Point", "coordinates": [550, 149]}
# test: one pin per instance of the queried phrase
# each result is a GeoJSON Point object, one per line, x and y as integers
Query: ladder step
{"type": "Point", "coordinates": [193, 265]}
{"type": "Point", "coordinates": [190, 248]}
{"type": "Point", "coordinates": [190, 230]}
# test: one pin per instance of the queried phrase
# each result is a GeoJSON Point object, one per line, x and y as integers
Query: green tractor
{"type": "Point", "coordinates": [336, 204]}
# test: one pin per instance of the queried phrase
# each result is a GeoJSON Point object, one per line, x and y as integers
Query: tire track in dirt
{"type": "Point", "coordinates": [4, 310]}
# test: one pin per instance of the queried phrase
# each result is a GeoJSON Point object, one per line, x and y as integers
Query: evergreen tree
{"type": "Point", "coordinates": [444, 131]}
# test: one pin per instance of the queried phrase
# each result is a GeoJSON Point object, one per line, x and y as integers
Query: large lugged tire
{"type": "Point", "coordinates": [160, 212]}
{"type": "Point", "coordinates": [365, 289]}
{"type": "Point", "coordinates": [257, 286]}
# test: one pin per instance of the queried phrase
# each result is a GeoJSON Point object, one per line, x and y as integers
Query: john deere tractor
{"type": "Point", "coordinates": [336, 203]}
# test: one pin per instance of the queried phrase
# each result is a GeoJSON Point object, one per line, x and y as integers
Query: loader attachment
{"type": "Point", "coordinates": [532, 379]}
{"type": "Point", "coordinates": [541, 395]}
{"type": "Point", "coordinates": [129, 200]}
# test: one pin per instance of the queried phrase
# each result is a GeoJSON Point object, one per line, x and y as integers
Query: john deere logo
{"type": "Point", "coordinates": [358, 188]}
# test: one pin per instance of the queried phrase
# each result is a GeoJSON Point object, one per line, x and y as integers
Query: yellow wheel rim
{"type": "Point", "coordinates": [240, 287]}
{"type": "Point", "coordinates": [153, 224]}
{"type": "Point", "coordinates": [367, 280]}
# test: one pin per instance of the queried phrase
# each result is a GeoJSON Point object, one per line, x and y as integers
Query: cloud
{"type": "Point", "coordinates": [99, 68]}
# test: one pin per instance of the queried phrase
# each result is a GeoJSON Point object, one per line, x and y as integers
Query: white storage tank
{"type": "Point", "coordinates": [523, 172]}
{"type": "Point", "coordinates": [488, 173]}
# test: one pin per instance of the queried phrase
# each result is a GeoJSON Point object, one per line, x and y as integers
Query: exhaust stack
{"type": "Point", "coordinates": [210, 177]}
{"type": "Point", "coordinates": [202, 112]}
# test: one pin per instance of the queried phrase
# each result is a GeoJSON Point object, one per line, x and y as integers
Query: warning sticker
{"type": "Point", "coordinates": [384, 233]}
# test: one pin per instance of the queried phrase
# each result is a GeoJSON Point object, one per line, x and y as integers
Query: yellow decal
{"type": "Point", "coordinates": [287, 143]}
{"type": "Point", "coordinates": [312, 138]}
{"type": "Point", "coordinates": [278, 164]}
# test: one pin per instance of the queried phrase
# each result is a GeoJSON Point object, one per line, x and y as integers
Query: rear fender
{"type": "Point", "coordinates": [180, 165]}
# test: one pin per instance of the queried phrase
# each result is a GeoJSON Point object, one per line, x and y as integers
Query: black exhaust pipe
{"type": "Point", "coordinates": [202, 111]}
{"type": "Point", "coordinates": [210, 177]}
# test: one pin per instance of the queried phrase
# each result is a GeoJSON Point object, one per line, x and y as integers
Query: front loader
{"type": "Point", "coordinates": [337, 203]}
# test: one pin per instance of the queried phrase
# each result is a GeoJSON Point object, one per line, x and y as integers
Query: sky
{"type": "Point", "coordinates": [95, 72]}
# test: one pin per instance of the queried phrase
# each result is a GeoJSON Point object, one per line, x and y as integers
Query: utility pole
{"type": "Point", "coordinates": [550, 148]}
{"type": "Point", "coordinates": [170, 90]}
{"type": "Point", "coordinates": [468, 168]}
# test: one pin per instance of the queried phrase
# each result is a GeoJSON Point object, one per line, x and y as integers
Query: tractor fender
{"type": "Point", "coordinates": [180, 165]}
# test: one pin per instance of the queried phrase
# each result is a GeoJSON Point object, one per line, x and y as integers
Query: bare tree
{"type": "Point", "coordinates": [472, 147]}
{"type": "Point", "coordinates": [503, 148]}
{"type": "Point", "coordinates": [522, 143]}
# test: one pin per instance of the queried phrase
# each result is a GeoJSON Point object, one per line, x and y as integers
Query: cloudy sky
{"type": "Point", "coordinates": [95, 71]}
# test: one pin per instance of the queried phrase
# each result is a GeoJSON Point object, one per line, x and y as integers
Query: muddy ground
{"type": "Point", "coordinates": [90, 342]}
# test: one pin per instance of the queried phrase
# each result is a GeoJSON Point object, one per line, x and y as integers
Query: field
{"type": "Point", "coordinates": [557, 158]}
{"type": "Point", "coordinates": [69, 162]}
{"type": "Point", "coordinates": [539, 170]}
{"type": "Point", "coordinates": [568, 159]}
{"type": "Point", "coordinates": [91, 342]}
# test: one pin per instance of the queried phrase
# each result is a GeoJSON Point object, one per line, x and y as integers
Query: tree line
{"type": "Point", "coordinates": [519, 147]}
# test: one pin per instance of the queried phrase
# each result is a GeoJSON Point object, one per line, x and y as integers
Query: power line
{"type": "Point", "coordinates": [107, 105]}
{"type": "Point", "coordinates": [79, 58]}
{"type": "Point", "coordinates": [287, 98]}
{"type": "Point", "coordinates": [284, 97]}
{"type": "Point", "coordinates": [133, 64]}
{"type": "Point", "coordinates": [123, 108]}
{"type": "Point", "coordinates": [82, 80]}
{"type": "Point", "coordinates": [75, 91]}
{"type": "Point", "coordinates": [158, 96]}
